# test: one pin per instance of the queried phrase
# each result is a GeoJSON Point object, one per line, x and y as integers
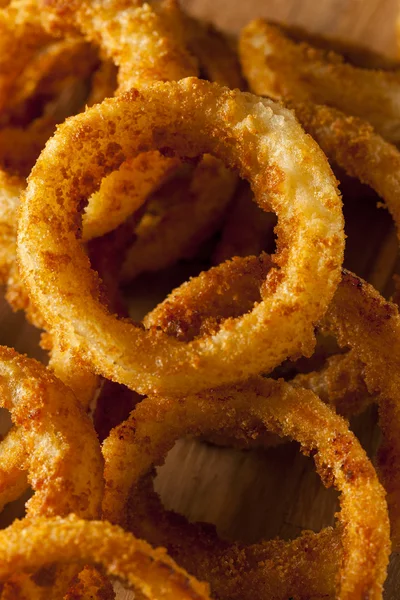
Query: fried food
{"type": "Point", "coordinates": [353, 145]}
{"type": "Point", "coordinates": [54, 441]}
{"type": "Point", "coordinates": [63, 541]}
{"type": "Point", "coordinates": [145, 184]}
{"type": "Point", "coordinates": [321, 77]}
{"type": "Point", "coordinates": [21, 37]}
{"type": "Point", "coordinates": [148, 362]}
{"type": "Point", "coordinates": [62, 455]}
{"type": "Point", "coordinates": [358, 316]}
{"type": "Point", "coordinates": [361, 319]}
{"type": "Point", "coordinates": [141, 442]}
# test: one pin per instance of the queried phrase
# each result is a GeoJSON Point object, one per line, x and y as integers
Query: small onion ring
{"type": "Point", "coordinates": [265, 143]}
{"type": "Point", "coordinates": [63, 541]}
{"type": "Point", "coordinates": [137, 445]}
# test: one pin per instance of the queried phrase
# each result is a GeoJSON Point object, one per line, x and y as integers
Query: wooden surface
{"type": "Point", "coordinates": [254, 495]}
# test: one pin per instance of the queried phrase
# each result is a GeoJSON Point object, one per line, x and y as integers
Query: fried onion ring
{"type": "Point", "coordinates": [64, 541]}
{"type": "Point", "coordinates": [320, 77]}
{"type": "Point", "coordinates": [61, 448]}
{"type": "Point", "coordinates": [147, 41]}
{"type": "Point", "coordinates": [254, 138]}
{"type": "Point", "coordinates": [141, 442]}
{"type": "Point", "coordinates": [358, 316]}
{"type": "Point", "coordinates": [56, 444]}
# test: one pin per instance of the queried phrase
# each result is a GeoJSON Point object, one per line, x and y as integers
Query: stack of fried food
{"type": "Point", "coordinates": [124, 130]}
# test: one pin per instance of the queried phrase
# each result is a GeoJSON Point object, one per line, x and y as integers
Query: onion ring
{"type": "Point", "coordinates": [21, 36]}
{"type": "Point", "coordinates": [50, 417]}
{"type": "Point", "coordinates": [148, 362]}
{"type": "Point", "coordinates": [244, 411]}
{"type": "Point", "coordinates": [353, 145]}
{"type": "Point", "coordinates": [361, 319]}
{"type": "Point", "coordinates": [268, 55]}
{"type": "Point", "coordinates": [358, 316]}
{"type": "Point", "coordinates": [57, 444]}
{"type": "Point", "coordinates": [47, 541]}
{"type": "Point", "coordinates": [161, 29]}
{"type": "Point", "coordinates": [131, 35]}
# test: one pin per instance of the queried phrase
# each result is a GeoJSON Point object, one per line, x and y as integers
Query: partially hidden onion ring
{"type": "Point", "coordinates": [181, 45]}
{"type": "Point", "coordinates": [21, 36]}
{"type": "Point", "coordinates": [322, 77]}
{"type": "Point", "coordinates": [353, 144]}
{"type": "Point", "coordinates": [361, 319]}
{"type": "Point", "coordinates": [61, 449]}
{"type": "Point", "coordinates": [249, 134]}
{"type": "Point", "coordinates": [358, 317]}
{"type": "Point", "coordinates": [64, 541]}
{"type": "Point", "coordinates": [55, 442]}
{"type": "Point", "coordinates": [131, 35]}
{"type": "Point", "coordinates": [141, 442]}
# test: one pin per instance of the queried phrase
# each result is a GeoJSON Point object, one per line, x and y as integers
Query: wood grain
{"type": "Point", "coordinates": [370, 22]}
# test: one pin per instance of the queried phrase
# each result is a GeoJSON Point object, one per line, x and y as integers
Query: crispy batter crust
{"type": "Point", "coordinates": [63, 541]}
{"type": "Point", "coordinates": [141, 442]}
{"type": "Point", "coordinates": [251, 135]}
{"type": "Point", "coordinates": [321, 77]}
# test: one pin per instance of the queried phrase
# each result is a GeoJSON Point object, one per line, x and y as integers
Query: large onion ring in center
{"type": "Point", "coordinates": [288, 173]}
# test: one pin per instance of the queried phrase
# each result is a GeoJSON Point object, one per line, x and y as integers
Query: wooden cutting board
{"type": "Point", "coordinates": [253, 495]}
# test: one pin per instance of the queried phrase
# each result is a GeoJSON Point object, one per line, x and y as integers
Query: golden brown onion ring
{"type": "Point", "coordinates": [141, 442]}
{"type": "Point", "coordinates": [21, 36]}
{"type": "Point", "coordinates": [61, 447]}
{"type": "Point", "coordinates": [322, 77]}
{"type": "Point", "coordinates": [360, 319]}
{"type": "Point", "coordinates": [67, 541]}
{"type": "Point", "coordinates": [147, 41]}
{"type": "Point", "coordinates": [58, 447]}
{"type": "Point", "coordinates": [353, 145]}
{"type": "Point", "coordinates": [250, 134]}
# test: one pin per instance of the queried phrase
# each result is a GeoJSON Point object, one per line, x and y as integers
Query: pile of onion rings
{"type": "Point", "coordinates": [124, 130]}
